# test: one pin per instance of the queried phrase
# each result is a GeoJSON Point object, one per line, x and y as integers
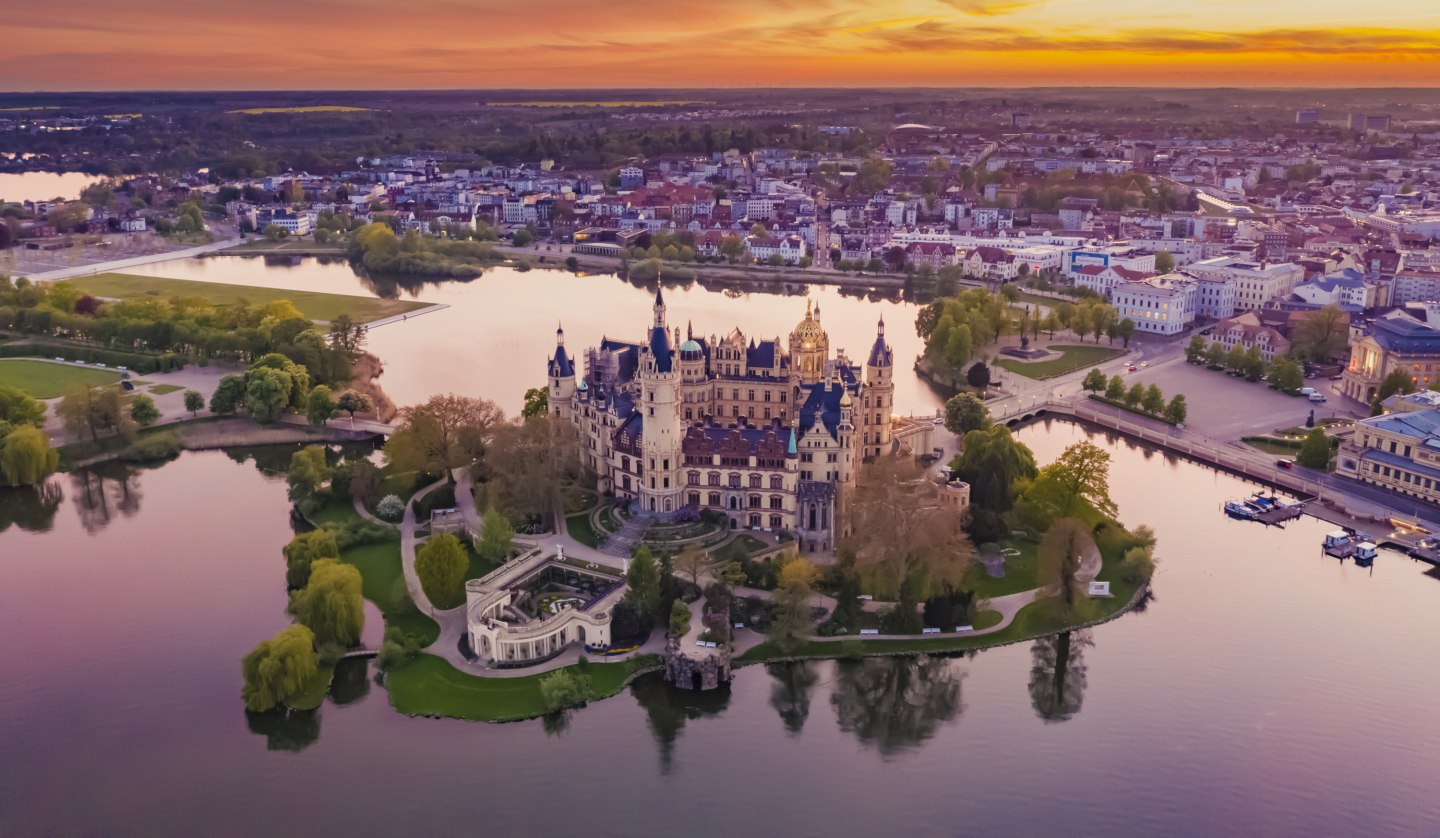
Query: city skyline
{"type": "Point", "coordinates": [438, 44]}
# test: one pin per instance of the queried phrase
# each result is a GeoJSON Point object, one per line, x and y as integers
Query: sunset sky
{"type": "Point", "coordinates": [366, 44]}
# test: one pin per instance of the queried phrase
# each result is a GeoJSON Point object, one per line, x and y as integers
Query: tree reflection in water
{"type": "Point", "coordinates": [285, 730]}
{"type": "Point", "coordinates": [351, 682]}
{"type": "Point", "coordinates": [101, 492]}
{"type": "Point", "coordinates": [896, 703]}
{"type": "Point", "coordinates": [31, 508]}
{"type": "Point", "coordinates": [1057, 675]}
{"type": "Point", "coordinates": [670, 708]}
{"type": "Point", "coordinates": [790, 694]}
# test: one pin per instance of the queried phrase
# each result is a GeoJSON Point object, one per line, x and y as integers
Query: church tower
{"type": "Point", "coordinates": [561, 375]}
{"type": "Point", "coordinates": [879, 400]}
{"type": "Point", "coordinates": [662, 430]}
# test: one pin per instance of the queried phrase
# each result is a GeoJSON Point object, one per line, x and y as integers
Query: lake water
{"type": "Point", "coordinates": [494, 338]}
{"type": "Point", "coordinates": [1265, 689]}
{"type": "Point", "coordinates": [42, 186]}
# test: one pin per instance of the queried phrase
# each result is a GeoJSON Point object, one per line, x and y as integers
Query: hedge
{"type": "Point", "coordinates": [1135, 410]}
{"type": "Point", "coordinates": [134, 361]}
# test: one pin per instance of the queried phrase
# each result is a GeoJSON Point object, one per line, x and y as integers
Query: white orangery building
{"type": "Point", "coordinates": [1163, 305]}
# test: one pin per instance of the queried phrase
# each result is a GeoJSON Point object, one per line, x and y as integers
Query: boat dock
{"type": "Point", "coordinates": [1268, 510]}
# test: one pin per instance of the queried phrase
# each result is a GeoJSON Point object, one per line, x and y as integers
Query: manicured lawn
{"type": "Point", "coordinates": [430, 686]}
{"type": "Point", "coordinates": [164, 389]}
{"type": "Point", "coordinates": [313, 304]}
{"type": "Point", "coordinates": [741, 548]}
{"type": "Point", "coordinates": [336, 512]}
{"type": "Point", "coordinates": [1071, 358]}
{"type": "Point", "coordinates": [582, 530]}
{"type": "Point", "coordinates": [382, 582]}
{"type": "Point", "coordinates": [1019, 573]}
{"type": "Point", "coordinates": [49, 380]}
{"type": "Point", "coordinates": [312, 695]}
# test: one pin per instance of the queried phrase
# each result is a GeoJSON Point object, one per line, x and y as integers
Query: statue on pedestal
{"type": "Point", "coordinates": [1024, 324]}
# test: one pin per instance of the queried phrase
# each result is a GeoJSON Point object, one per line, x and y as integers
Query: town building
{"type": "Point", "coordinates": [1396, 341]}
{"type": "Point", "coordinates": [1160, 305]}
{"type": "Point", "coordinates": [1255, 282]}
{"type": "Point", "coordinates": [1246, 331]}
{"type": "Point", "coordinates": [1398, 451]}
{"type": "Point", "coordinates": [766, 433]}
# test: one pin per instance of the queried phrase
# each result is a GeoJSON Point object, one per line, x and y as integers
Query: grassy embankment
{"type": "Point", "coordinates": [50, 380]}
{"type": "Point", "coordinates": [312, 304]}
{"type": "Point", "coordinates": [429, 686]}
{"type": "Point", "coordinates": [1071, 358]}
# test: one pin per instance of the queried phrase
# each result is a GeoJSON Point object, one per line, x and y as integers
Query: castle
{"type": "Point", "coordinates": [768, 434]}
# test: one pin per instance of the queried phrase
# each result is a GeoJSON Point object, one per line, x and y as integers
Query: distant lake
{"type": "Point", "coordinates": [1265, 690]}
{"type": "Point", "coordinates": [16, 187]}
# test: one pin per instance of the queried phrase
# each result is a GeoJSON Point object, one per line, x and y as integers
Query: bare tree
{"type": "Point", "coordinates": [899, 524]}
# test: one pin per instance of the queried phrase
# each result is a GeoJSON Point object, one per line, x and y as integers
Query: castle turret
{"type": "Point", "coordinates": [561, 374]}
{"type": "Point", "coordinates": [662, 429]}
{"type": "Point", "coordinates": [878, 402]}
{"type": "Point", "coordinates": [809, 348]}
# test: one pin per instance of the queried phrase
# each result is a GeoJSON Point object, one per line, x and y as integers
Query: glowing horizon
{"type": "Point", "coordinates": [573, 44]}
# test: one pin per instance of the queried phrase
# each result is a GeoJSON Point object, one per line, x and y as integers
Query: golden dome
{"type": "Point", "coordinates": [808, 331]}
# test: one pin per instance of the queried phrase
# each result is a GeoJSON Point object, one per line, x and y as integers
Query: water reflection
{"type": "Point", "coordinates": [284, 729]}
{"type": "Point", "coordinates": [351, 682]}
{"type": "Point", "coordinates": [896, 703]}
{"type": "Point", "coordinates": [669, 709]}
{"type": "Point", "coordinates": [790, 694]}
{"type": "Point", "coordinates": [1057, 675]}
{"type": "Point", "coordinates": [31, 508]}
{"type": "Point", "coordinates": [100, 493]}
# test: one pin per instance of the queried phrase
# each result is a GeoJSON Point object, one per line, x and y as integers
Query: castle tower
{"type": "Point", "coordinates": [879, 396]}
{"type": "Point", "coordinates": [809, 348]}
{"type": "Point", "coordinates": [561, 374]}
{"type": "Point", "coordinates": [662, 429]}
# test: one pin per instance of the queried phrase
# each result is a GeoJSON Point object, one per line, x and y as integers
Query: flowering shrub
{"type": "Point", "coordinates": [391, 508]}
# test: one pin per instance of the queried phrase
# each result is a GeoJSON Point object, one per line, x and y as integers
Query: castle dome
{"type": "Point", "coordinates": [808, 331]}
{"type": "Point", "coordinates": [690, 346]}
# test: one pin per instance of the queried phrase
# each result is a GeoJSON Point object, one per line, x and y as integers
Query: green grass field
{"type": "Point", "coordinates": [430, 686]}
{"type": "Point", "coordinates": [1019, 573]}
{"type": "Point", "coordinates": [49, 380]}
{"type": "Point", "coordinates": [165, 389]}
{"type": "Point", "coordinates": [313, 304]}
{"type": "Point", "coordinates": [1071, 358]}
{"type": "Point", "coordinates": [582, 530]}
{"type": "Point", "coordinates": [382, 582]}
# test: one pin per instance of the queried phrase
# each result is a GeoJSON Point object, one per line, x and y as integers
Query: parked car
{"type": "Point", "coordinates": [1285, 463]}
{"type": "Point", "coordinates": [1132, 369]}
{"type": "Point", "coordinates": [1316, 397]}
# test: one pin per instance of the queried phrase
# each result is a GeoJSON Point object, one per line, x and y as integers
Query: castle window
{"type": "Point", "coordinates": [754, 501]}
{"type": "Point", "coordinates": [777, 482]}
{"type": "Point", "coordinates": [693, 478]}
{"type": "Point", "coordinates": [754, 481]}
{"type": "Point", "coordinates": [734, 480]}
{"type": "Point", "coordinates": [776, 502]}
{"type": "Point", "coordinates": [714, 499]}
{"type": "Point", "coordinates": [694, 499]}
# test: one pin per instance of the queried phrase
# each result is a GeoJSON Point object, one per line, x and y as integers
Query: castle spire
{"type": "Point", "coordinates": [559, 335]}
{"type": "Point", "coordinates": [882, 326]}
{"type": "Point", "coordinates": [659, 309]}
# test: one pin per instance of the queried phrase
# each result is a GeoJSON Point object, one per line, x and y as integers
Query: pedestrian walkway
{"type": "Point", "coordinates": [120, 264]}
{"type": "Point", "coordinates": [622, 543]}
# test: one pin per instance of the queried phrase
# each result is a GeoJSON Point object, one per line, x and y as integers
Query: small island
{"type": "Point", "coordinates": [653, 515]}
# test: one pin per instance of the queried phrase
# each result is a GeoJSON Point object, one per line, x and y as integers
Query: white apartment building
{"type": "Point", "coordinates": [1161, 305]}
{"type": "Point", "coordinates": [1124, 256]}
{"type": "Point", "coordinates": [1418, 286]}
{"type": "Point", "coordinates": [1214, 297]}
{"type": "Point", "coordinates": [1255, 282]}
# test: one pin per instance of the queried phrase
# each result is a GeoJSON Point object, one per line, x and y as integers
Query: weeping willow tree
{"type": "Point", "coordinates": [278, 668]}
{"type": "Point", "coordinates": [26, 457]}
{"type": "Point", "coordinates": [330, 604]}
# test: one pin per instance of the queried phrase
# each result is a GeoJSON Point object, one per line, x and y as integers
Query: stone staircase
{"type": "Point", "coordinates": [622, 543]}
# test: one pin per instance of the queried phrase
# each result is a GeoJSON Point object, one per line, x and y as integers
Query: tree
{"type": "Point", "coordinates": [352, 403]}
{"type": "Point", "coordinates": [97, 410]}
{"type": "Point", "coordinates": [1214, 354]}
{"type": "Point", "coordinates": [1322, 333]}
{"type": "Point", "coordinates": [1060, 556]}
{"type": "Point", "coordinates": [1051, 324]}
{"type": "Point", "coordinates": [978, 376]}
{"type": "Point", "coordinates": [275, 233]}
{"type": "Point", "coordinates": [564, 689]}
{"type": "Point", "coordinates": [1095, 380]}
{"type": "Point", "coordinates": [1082, 473]}
{"type": "Point", "coordinates": [902, 529]}
{"type": "Point", "coordinates": [1195, 350]}
{"type": "Point", "coordinates": [330, 604]}
{"type": "Point", "coordinates": [1315, 450]}
{"type": "Point", "coordinates": [445, 433]}
{"type": "Point", "coordinates": [278, 668]}
{"type": "Point", "coordinates": [965, 413]}
{"type": "Point", "coordinates": [229, 395]}
{"type": "Point", "coordinates": [679, 619]}
{"type": "Point", "coordinates": [496, 537]}
{"type": "Point", "coordinates": [1285, 375]}
{"type": "Point", "coordinates": [1176, 411]}
{"type": "Point", "coordinates": [441, 564]}
{"type": "Point", "coordinates": [992, 461]}
{"type": "Point", "coordinates": [1115, 390]}
{"type": "Point", "coordinates": [1125, 330]}
{"type": "Point", "coordinates": [1135, 394]}
{"type": "Point", "coordinates": [319, 406]}
{"type": "Point", "coordinates": [793, 617]}
{"type": "Point", "coordinates": [732, 247]}
{"type": "Point", "coordinates": [18, 408]}
{"type": "Point", "coordinates": [1164, 262]}
{"type": "Point", "coordinates": [267, 394]}
{"type": "Point", "coordinates": [26, 458]}
{"type": "Point", "coordinates": [303, 551]}
{"type": "Point", "coordinates": [643, 583]}
{"type": "Point", "coordinates": [194, 402]}
{"type": "Point", "coordinates": [537, 402]}
{"type": "Point", "coordinates": [691, 562]}
{"type": "Point", "coordinates": [143, 411]}
{"type": "Point", "coordinates": [308, 473]}
{"type": "Point", "coordinates": [522, 238]}
{"type": "Point", "coordinates": [528, 461]}
{"type": "Point", "coordinates": [1154, 401]}
{"type": "Point", "coordinates": [1253, 364]}
{"type": "Point", "coordinates": [1397, 382]}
